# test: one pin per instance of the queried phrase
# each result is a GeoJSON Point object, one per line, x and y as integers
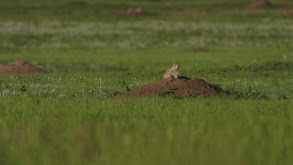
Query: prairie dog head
{"type": "Point", "coordinates": [175, 66]}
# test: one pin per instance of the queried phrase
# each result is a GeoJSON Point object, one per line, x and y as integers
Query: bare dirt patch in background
{"type": "Point", "coordinates": [20, 67]}
{"type": "Point", "coordinates": [260, 4]}
{"type": "Point", "coordinates": [254, 4]}
{"type": "Point", "coordinates": [180, 88]}
{"type": "Point", "coordinates": [135, 13]}
{"type": "Point", "coordinates": [288, 14]}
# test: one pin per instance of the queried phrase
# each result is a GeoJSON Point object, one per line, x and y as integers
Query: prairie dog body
{"type": "Point", "coordinates": [172, 72]}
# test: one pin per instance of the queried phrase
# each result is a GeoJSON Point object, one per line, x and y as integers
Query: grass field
{"type": "Point", "coordinates": [93, 53]}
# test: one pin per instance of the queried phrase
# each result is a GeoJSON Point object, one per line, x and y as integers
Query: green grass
{"type": "Point", "coordinates": [146, 131]}
{"type": "Point", "coordinates": [64, 117]}
{"type": "Point", "coordinates": [95, 10]}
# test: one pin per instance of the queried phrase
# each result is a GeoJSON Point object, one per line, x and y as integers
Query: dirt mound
{"type": "Point", "coordinates": [259, 4]}
{"type": "Point", "coordinates": [288, 14]}
{"type": "Point", "coordinates": [182, 87]}
{"type": "Point", "coordinates": [254, 4]}
{"type": "Point", "coordinates": [135, 13]}
{"type": "Point", "coordinates": [19, 67]}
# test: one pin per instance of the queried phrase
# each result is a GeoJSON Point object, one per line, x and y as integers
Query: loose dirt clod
{"type": "Point", "coordinates": [181, 88]}
{"type": "Point", "coordinates": [19, 67]}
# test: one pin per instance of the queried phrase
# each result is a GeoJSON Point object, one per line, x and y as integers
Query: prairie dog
{"type": "Point", "coordinates": [172, 72]}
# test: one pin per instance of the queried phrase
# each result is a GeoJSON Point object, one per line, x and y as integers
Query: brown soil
{"type": "Point", "coordinates": [259, 4]}
{"type": "Point", "coordinates": [180, 88]}
{"type": "Point", "coordinates": [19, 67]}
{"type": "Point", "coordinates": [197, 50]}
{"type": "Point", "coordinates": [288, 14]}
{"type": "Point", "coordinates": [254, 4]}
{"type": "Point", "coordinates": [135, 13]}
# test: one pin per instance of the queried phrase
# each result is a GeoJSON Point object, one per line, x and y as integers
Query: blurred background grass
{"type": "Point", "coordinates": [35, 10]}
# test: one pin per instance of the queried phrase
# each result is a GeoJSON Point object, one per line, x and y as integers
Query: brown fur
{"type": "Point", "coordinates": [172, 72]}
